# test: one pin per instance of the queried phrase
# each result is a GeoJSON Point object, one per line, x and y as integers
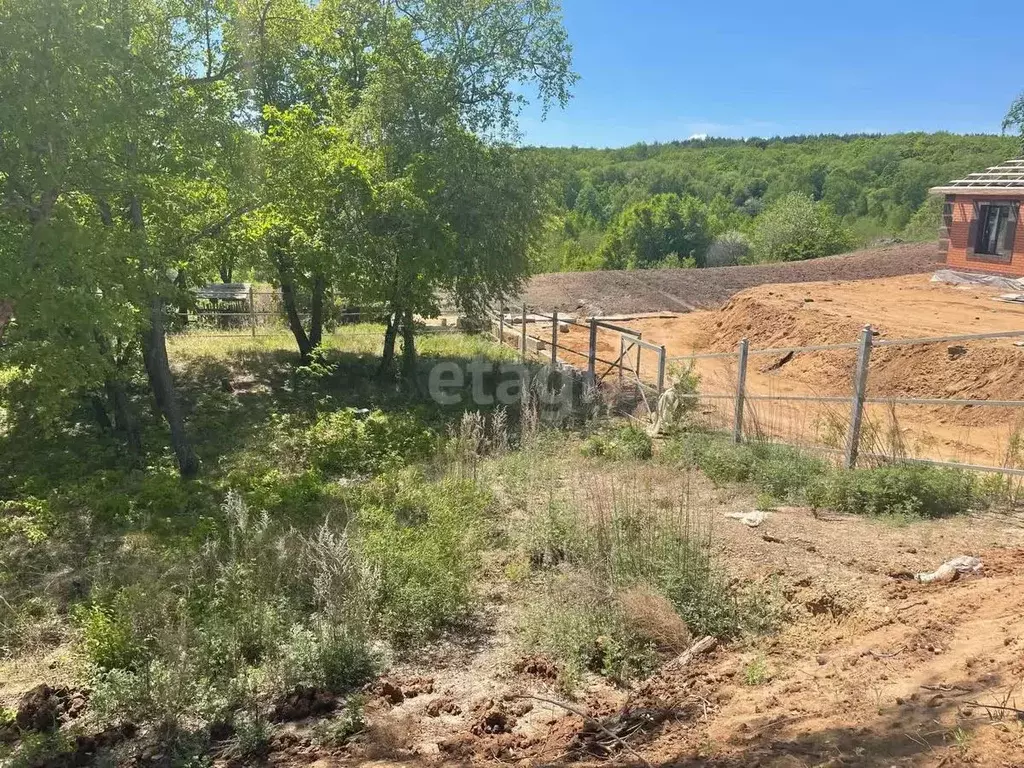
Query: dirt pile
{"type": "Point", "coordinates": [771, 318]}
{"type": "Point", "coordinates": [686, 290]}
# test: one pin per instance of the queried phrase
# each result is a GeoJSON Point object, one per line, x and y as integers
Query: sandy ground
{"type": "Point", "coordinates": [773, 316]}
{"type": "Point", "coordinates": [871, 669]}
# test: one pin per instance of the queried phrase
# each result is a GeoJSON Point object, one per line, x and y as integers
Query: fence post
{"type": "Point", "coordinates": [592, 351]}
{"type": "Point", "coordinates": [554, 337]}
{"type": "Point", "coordinates": [741, 392]}
{"type": "Point", "coordinates": [501, 324]}
{"type": "Point", "coordinates": [860, 381]}
{"type": "Point", "coordinates": [522, 337]}
{"type": "Point", "coordinates": [661, 370]}
{"type": "Point", "coordinates": [622, 354]}
{"type": "Point", "coordinates": [252, 311]}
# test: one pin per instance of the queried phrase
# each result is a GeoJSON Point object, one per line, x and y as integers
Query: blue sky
{"type": "Point", "coordinates": [659, 70]}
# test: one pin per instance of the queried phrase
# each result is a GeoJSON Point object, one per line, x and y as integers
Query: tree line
{"type": "Point", "coordinates": [342, 150]}
{"type": "Point", "coordinates": [716, 202]}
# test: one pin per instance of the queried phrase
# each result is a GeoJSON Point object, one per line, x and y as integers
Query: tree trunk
{"type": "Point", "coordinates": [226, 272]}
{"type": "Point", "coordinates": [408, 347]}
{"type": "Point", "coordinates": [125, 423]}
{"type": "Point", "coordinates": [99, 412]}
{"type": "Point", "coordinates": [294, 320]}
{"type": "Point", "coordinates": [387, 360]}
{"type": "Point", "coordinates": [6, 313]}
{"type": "Point", "coordinates": [158, 368]}
{"type": "Point", "coordinates": [316, 318]}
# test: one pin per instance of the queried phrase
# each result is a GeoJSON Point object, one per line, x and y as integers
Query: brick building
{"type": "Point", "coordinates": [982, 226]}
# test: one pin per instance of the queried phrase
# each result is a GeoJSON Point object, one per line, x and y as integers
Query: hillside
{"type": "Point", "coordinates": [876, 185]}
{"type": "Point", "coordinates": [682, 290]}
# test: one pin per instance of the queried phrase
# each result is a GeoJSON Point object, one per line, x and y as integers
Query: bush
{"type": "Point", "coordinates": [728, 250]}
{"type": "Point", "coordinates": [627, 442]}
{"type": "Point", "coordinates": [910, 489]}
{"type": "Point", "coordinates": [796, 227]}
{"type": "Point", "coordinates": [343, 443]}
{"type": "Point", "coordinates": [424, 541]}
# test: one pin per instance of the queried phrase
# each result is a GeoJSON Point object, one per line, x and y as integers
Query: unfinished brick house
{"type": "Point", "coordinates": [982, 227]}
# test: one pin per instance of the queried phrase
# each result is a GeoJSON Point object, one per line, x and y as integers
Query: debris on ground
{"type": "Point", "coordinates": [952, 569]}
{"type": "Point", "coordinates": [303, 701]}
{"type": "Point", "coordinates": [750, 519]}
{"type": "Point", "coordinates": [44, 708]}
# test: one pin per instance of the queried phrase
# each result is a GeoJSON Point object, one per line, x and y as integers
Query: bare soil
{"type": "Point", "coordinates": [685, 290]}
{"type": "Point", "coordinates": [834, 312]}
{"type": "Point", "coordinates": [871, 669]}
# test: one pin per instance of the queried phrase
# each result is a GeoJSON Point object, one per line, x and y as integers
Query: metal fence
{"type": "Point", "coordinates": [858, 398]}
{"type": "Point", "coordinates": [511, 328]}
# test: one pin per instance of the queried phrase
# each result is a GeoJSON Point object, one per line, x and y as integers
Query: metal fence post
{"type": "Point", "coordinates": [522, 337]}
{"type": "Point", "coordinates": [741, 392]}
{"type": "Point", "coordinates": [661, 370]}
{"type": "Point", "coordinates": [860, 381]}
{"type": "Point", "coordinates": [592, 351]}
{"type": "Point", "coordinates": [501, 324]}
{"type": "Point", "coordinates": [554, 337]}
{"type": "Point", "coordinates": [622, 354]}
{"type": "Point", "coordinates": [252, 311]}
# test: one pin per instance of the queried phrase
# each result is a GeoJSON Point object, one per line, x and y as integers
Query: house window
{"type": "Point", "coordinates": [996, 227]}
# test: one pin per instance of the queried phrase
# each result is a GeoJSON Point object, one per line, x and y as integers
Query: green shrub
{"type": "Point", "coordinates": [783, 471]}
{"type": "Point", "coordinates": [343, 443]}
{"type": "Point", "coordinates": [423, 539]}
{"type": "Point", "coordinates": [580, 627]}
{"type": "Point", "coordinates": [627, 442]}
{"type": "Point", "coordinates": [904, 489]}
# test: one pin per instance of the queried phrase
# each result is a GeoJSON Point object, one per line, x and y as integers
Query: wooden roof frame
{"type": "Point", "coordinates": [999, 180]}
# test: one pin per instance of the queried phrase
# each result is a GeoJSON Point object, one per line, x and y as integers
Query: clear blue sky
{"type": "Point", "coordinates": [659, 70]}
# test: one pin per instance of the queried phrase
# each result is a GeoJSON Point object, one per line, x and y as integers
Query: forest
{"type": "Point", "coordinates": [716, 202]}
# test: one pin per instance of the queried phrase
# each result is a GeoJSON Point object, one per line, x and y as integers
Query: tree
{"type": "Point", "coordinates": [314, 192]}
{"type": "Point", "coordinates": [1015, 119]}
{"type": "Point", "coordinates": [648, 232]}
{"type": "Point", "coordinates": [111, 141]}
{"type": "Point", "coordinates": [796, 227]}
{"type": "Point", "coordinates": [728, 250]}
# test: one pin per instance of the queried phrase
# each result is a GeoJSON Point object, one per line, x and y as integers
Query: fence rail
{"type": "Point", "coordinates": [627, 365]}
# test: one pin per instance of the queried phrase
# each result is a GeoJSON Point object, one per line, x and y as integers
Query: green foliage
{"type": "Point", "coordinates": [650, 232]}
{"type": "Point", "coordinates": [424, 540]}
{"type": "Point", "coordinates": [583, 633]}
{"type": "Point", "coordinates": [796, 227]}
{"type": "Point", "coordinates": [901, 489]}
{"type": "Point", "coordinates": [629, 441]}
{"type": "Point", "coordinates": [345, 443]}
{"type": "Point", "coordinates": [875, 184]}
{"type": "Point", "coordinates": [728, 250]}
{"type": "Point", "coordinates": [339, 729]}
{"type": "Point", "coordinates": [756, 672]}
{"type": "Point", "coordinates": [1015, 119]}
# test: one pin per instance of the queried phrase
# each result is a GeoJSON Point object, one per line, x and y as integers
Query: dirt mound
{"type": "Point", "coordinates": [772, 318]}
{"type": "Point", "coordinates": [685, 290]}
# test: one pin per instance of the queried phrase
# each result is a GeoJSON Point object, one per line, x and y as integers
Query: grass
{"type": "Point", "coordinates": [781, 473]}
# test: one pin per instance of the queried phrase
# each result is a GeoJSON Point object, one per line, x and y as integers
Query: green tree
{"type": "Point", "coordinates": [1015, 119]}
{"type": "Point", "coordinates": [796, 227]}
{"type": "Point", "coordinates": [649, 232]}
{"type": "Point", "coordinates": [116, 145]}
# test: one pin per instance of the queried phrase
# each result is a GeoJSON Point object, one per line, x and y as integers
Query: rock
{"type": "Point", "coordinates": [44, 708]}
{"type": "Point", "coordinates": [301, 702]}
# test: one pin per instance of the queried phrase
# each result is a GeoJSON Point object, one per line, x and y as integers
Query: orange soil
{"type": "Point", "coordinates": [800, 314]}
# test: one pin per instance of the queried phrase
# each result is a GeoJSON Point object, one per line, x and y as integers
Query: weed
{"type": "Point", "coordinates": [756, 672]}
{"type": "Point", "coordinates": [627, 442]}
{"type": "Point", "coordinates": [901, 489]}
{"type": "Point", "coordinates": [338, 730]}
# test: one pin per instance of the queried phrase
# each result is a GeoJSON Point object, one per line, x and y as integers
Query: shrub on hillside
{"type": "Point", "coordinates": [728, 250]}
{"type": "Point", "coordinates": [902, 489]}
{"type": "Point", "coordinates": [796, 227]}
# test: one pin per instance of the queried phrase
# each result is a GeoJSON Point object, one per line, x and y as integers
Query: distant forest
{"type": "Point", "coordinates": [726, 201]}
